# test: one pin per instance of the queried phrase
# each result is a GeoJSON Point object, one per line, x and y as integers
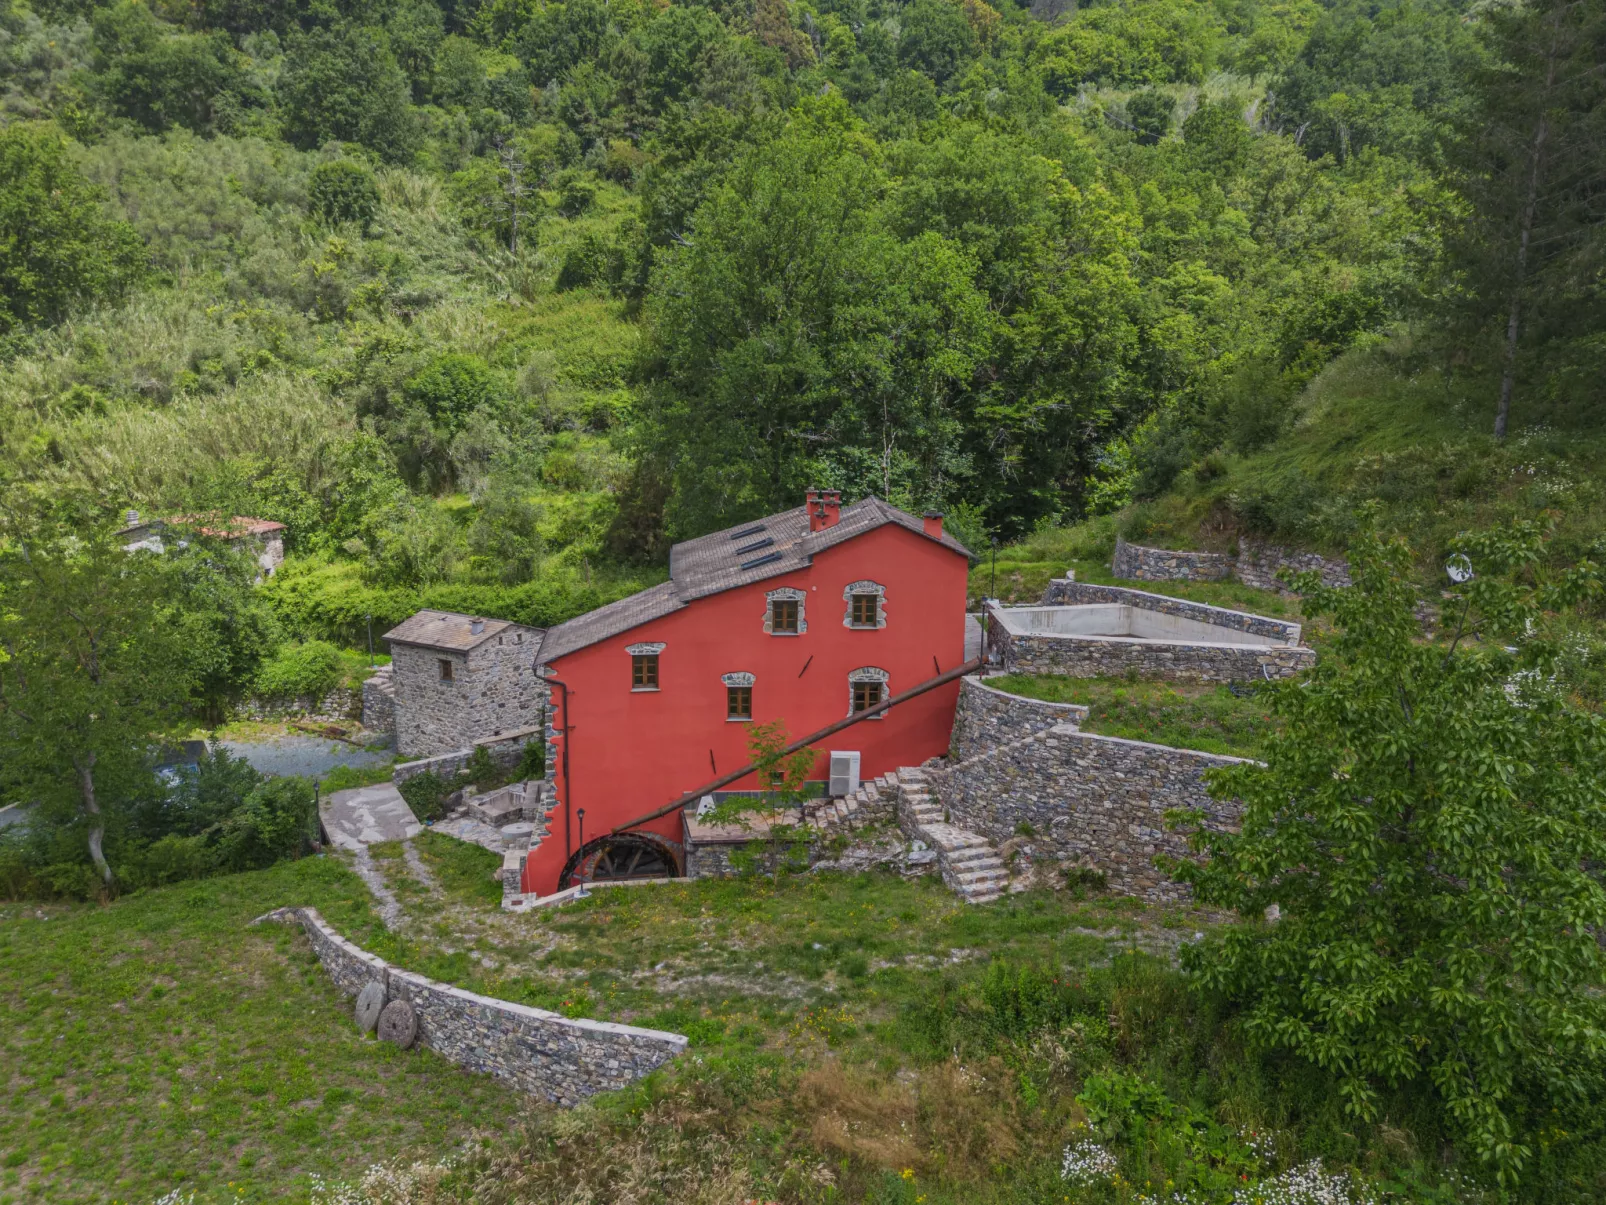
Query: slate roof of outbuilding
{"type": "Point", "coordinates": [724, 560]}
{"type": "Point", "coordinates": [453, 632]}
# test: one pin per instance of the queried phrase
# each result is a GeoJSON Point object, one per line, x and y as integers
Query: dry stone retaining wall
{"type": "Point", "coordinates": [506, 751]}
{"type": "Point", "coordinates": [1097, 801]}
{"type": "Point", "coordinates": [339, 704]}
{"type": "Point", "coordinates": [1258, 565]}
{"type": "Point", "coordinates": [1137, 563]}
{"type": "Point", "coordinates": [1067, 592]}
{"type": "Point", "coordinates": [379, 702]}
{"type": "Point", "coordinates": [987, 717]}
{"type": "Point", "coordinates": [545, 1054]}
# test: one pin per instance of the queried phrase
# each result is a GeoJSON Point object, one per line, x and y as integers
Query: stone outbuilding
{"type": "Point", "coordinates": [460, 679]}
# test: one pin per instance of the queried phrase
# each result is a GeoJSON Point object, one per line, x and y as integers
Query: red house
{"type": "Point", "coordinates": [806, 617]}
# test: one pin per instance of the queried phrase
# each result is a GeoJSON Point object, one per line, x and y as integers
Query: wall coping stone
{"type": "Point", "coordinates": [1060, 592]}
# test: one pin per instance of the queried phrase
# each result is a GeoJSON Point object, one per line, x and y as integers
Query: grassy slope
{"type": "Point", "coordinates": [161, 1042]}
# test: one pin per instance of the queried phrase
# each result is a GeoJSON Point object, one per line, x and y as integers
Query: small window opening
{"type": "Point", "coordinates": [738, 702]}
{"type": "Point", "coordinates": [866, 695]}
{"type": "Point", "coordinates": [644, 671]}
{"type": "Point", "coordinates": [446, 670]}
{"type": "Point", "coordinates": [864, 610]}
{"type": "Point", "coordinates": [783, 615]}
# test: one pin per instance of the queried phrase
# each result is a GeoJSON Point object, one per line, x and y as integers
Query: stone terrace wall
{"type": "Point", "coordinates": [1094, 800]}
{"type": "Point", "coordinates": [1137, 563]}
{"type": "Point", "coordinates": [505, 751]}
{"type": "Point", "coordinates": [987, 717]}
{"type": "Point", "coordinates": [543, 1053]}
{"type": "Point", "coordinates": [339, 704]}
{"type": "Point", "coordinates": [1066, 592]}
{"type": "Point", "coordinates": [1090, 657]}
{"type": "Point", "coordinates": [379, 702]}
{"type": "Point", "coordinates": [1258, 565]}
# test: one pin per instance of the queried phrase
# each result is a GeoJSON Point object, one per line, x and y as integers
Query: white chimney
{"type": "Point", "coordinates": [476, 626]}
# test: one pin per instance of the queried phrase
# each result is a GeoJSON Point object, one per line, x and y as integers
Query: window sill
{"type": "Point", "coordinates": [645, 690]}
{"type": "Point", "coordinates": [738, 719]}
{"type": "Point", "coordinates": [785, 633]}
{"type": "Point", "coordinates": [864, 627]}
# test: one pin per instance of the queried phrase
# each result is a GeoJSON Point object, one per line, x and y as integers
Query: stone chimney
{"type": "Point", "coordinates": [933, 523]}
{"type": "Point", "coordinates": [831, 500]}
{"type": "Point", "coordinates": [476, 626]}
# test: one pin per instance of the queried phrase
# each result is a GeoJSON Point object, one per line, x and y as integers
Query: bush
{"type": "Point", "coordinates": [426, 794]}
{"type": "Point", "coordinates": [278, 820]}
{"type": "Point", "coordinates": [344, 191]}
{"type": "Point", "coordinates": [309, 670]}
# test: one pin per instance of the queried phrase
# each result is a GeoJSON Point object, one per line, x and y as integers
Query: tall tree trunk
{"type": "Point", "coordinates": [1508, 375]}
{"type": "Point", "coordinates": [97, 825]}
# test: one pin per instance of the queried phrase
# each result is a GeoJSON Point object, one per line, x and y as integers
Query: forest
{"type": "Point", "coordinates": [489, 302]}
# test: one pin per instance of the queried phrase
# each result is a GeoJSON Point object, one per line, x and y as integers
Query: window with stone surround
{"type": "Point", "coordinates": [738, 696]}
{"type": "Point", "coordinates": [867, 605]}
{"type": "Point", "coordinates": [644, 665]}
{"type": "Point", "coordinates": [447, 669]}
{"type": "Point", "coordinates": [867, 686]}
{"type": "Point", "coordinates": [783, 612]}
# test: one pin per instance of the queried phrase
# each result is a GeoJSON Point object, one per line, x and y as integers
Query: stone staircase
{"type": "Point", "coordinates": [876, 799]}
{"type": "Point", "coordinates": [969, 864]}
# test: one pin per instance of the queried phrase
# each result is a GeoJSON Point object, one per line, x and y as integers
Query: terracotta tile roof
{"type": "Point", "coordinates": [455, 633]}
{"type": "Point", "coordinates": [210, 525]}
{"type": "Point", "coordinates": [724, 560]}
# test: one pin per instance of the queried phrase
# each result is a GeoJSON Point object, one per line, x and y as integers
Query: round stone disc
{"type": "Point", "coordinates": [370, 1003]}
{"type": "Point", "coordinates": [398, 1024]}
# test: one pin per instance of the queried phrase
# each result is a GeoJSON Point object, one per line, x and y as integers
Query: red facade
{"type": "Point", "coordinates": [624, 746]}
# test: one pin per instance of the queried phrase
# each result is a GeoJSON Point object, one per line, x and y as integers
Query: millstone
{"type": "Point", "coordinates": [370, 1003]}
{"type": "Point", "coordinates": [398, 1024]}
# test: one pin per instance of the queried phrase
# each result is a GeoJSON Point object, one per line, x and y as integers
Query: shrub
{"type": "Point", "coordinates": [309, 670]}
{"type": "Point", "coordinates": [426, 794]}
{"type": "Point", "coordinates": [278, 820]}
{"type": "Point", "coordinates": [344, 191]}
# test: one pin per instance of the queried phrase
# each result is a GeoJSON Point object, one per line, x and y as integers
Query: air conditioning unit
{"type": "Point", "coordinates": [844, 772]}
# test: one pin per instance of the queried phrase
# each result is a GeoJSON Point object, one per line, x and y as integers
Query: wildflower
{"type": "Point", "coordinates": [908, 1173]}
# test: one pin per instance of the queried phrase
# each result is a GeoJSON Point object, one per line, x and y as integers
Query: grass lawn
{"type": "Point", "coordinates": [1189, 716]}
{"type": "Point", "coordinates": [161, 1043]}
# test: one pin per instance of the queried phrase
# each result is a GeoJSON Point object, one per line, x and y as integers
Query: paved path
{"type": "Point", "coordinates": [972, 638]}
{"type": "Point", "coordinates": [364, 815]}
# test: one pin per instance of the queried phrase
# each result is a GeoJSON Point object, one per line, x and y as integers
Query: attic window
{"type": "Point", "coordinates": [867, 605]}
{"type": "Point", "coordinates": [783, 612]}
{"type": "Point", "coordinates": [446, 670]}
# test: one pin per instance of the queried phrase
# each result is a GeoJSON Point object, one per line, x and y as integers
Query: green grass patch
{"type": "Point", "coordinates": [462, 868]}
{"type": "Point", "coordinates": [1210, 719]}
{"type": "Point", "coordinates": [163, 1043]}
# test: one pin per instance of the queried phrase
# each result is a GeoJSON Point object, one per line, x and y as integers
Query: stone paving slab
{"type": "Point", "coordinates": [475, 832]}
{"type": "Point", "coordinates": [363, 816]}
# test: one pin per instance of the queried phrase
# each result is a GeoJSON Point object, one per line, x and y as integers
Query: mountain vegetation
{"type": "Point", "coordinates": [489, 301]}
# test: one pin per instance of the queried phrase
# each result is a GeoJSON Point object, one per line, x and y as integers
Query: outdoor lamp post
{"type": "Point", "coordinates": [580, 815]}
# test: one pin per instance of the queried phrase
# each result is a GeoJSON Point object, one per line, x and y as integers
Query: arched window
{"type": "Point", "coordinates": [866, 605]}
{"type": "Point", "coordinates": [738, 695]}
{"type": "Point", "coordinates": [867, 686]}
{"type": "Point", "coordinates": [783, 612]}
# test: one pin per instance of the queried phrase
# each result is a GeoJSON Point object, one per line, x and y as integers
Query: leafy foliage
{"type": "Point", "coordinates": [308, 670]}
{"type": "Point", "coordinates": [1429, 826]}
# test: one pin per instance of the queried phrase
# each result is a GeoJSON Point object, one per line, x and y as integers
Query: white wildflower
{"type": "Point", "coordinates": [1086, 1162]}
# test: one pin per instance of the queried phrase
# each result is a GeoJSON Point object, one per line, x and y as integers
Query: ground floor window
{"type": "Point", "coordinates": [866, 695]}
{"type": "Point", "coordinates": [738, 702]}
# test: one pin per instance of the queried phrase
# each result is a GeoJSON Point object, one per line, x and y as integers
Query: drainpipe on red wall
{"type": "Point", "coordinates": [568, 788]}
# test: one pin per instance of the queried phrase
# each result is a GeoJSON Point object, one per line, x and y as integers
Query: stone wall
{"type": "Point", "coordinates": [1169, 661]}
{"type": "Point", "coordinates": [339, 704]}
{"type": "Point", "coordinates": [493, 689]}
{"type": "Point", "coordinates": [506, 752]}
{"type": "Point", "coordinates": [1137, 563]}
{"type": "Point", "coordinates": [542, 1053]}
{"type": "Point", "coordinates": [986, 717]}
{"type": "Point", "coordinates": [379, 702]}
{"type": "Point", "coordinates": [1067, 592]}
{"type": "Point", "coordinates": [1259, 563]}
{"type": "Point", "coordinates": [1094, 800]}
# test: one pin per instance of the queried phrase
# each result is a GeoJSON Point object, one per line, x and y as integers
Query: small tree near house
{"type": "Point", "coordinates": [783, 777]}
